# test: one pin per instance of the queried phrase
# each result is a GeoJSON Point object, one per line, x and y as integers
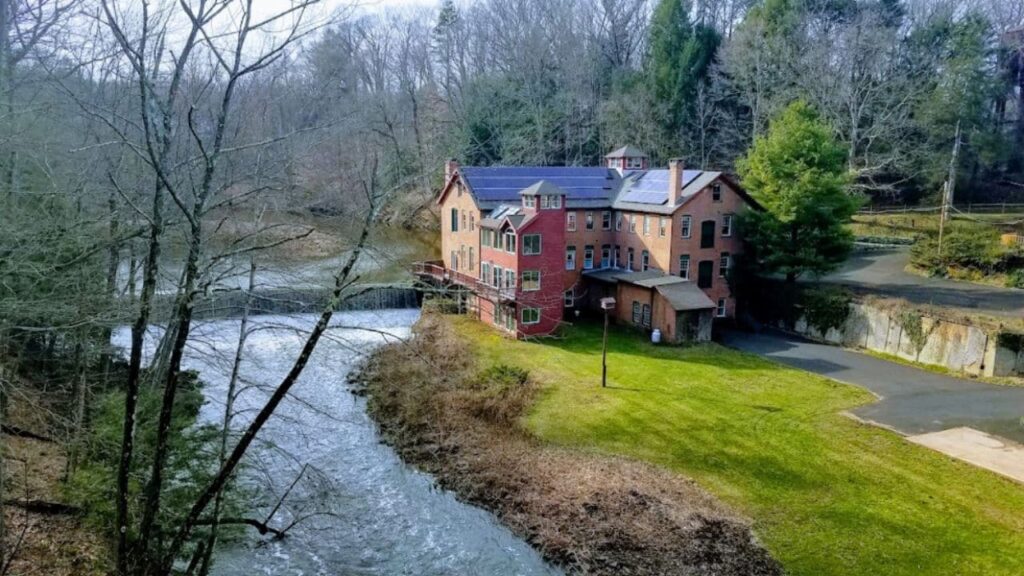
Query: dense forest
{"type": "Point", "coordinates": [553, 83]}
{"type": "Point", "coordinates": [134, 134]}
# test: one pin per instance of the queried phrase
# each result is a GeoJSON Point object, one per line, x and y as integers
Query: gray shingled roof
{"type": "Point", "coordinates": [626, 152]}
{"type": "Point", "coordinates": [681, 294]}
{"type": "Point", "coordinates": [542, 188]}
{"type": "Point", "coordinates": [647, 278]}
{"type": "Point", "coordinates": [685, 295]}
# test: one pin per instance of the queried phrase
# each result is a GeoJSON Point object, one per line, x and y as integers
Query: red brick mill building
{"type": "Point", "coordinates": [533, 245]}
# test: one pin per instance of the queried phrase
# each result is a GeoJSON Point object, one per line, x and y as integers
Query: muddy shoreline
{"type": "Point", "coordinates": [586, 513]}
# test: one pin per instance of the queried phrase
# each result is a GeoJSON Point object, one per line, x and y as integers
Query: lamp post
{"type": "Point", "coordinates": [607, 305]}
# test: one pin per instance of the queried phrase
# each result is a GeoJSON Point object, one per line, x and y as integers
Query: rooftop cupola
{"type": "Point", "coordinates": [626, 158]}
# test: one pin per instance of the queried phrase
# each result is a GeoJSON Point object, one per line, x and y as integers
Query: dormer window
{"type": "Point", "coordinates": [634, 163]}
{"type": "Point", "coordinates": [530, 201]}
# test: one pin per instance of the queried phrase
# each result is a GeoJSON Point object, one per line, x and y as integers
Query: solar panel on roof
{"type": "Point", "coordinates": [505, 183]}
{"type": "Point", "coordinates": [651, 187]}
{"type": "Point", "coordinates": [645, 197]}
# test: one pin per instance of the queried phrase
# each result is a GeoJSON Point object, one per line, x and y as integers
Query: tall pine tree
{"type": "Point", "coordinates": [680, 57]}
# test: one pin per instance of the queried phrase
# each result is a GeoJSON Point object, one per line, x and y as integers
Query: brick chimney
{"type": "Point", "coordinates": [449, 169]}
{"type": "Point", "coordinates": [675, 180]}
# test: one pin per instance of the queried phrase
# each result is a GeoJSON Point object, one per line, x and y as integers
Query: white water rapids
{"type": "Point", "coordinates": [374, 515]}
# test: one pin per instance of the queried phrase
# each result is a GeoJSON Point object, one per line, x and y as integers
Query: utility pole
{"type": "Point", "coordinates": [948, 188]}
{"type": "Point", "coordinates": [607, 305]}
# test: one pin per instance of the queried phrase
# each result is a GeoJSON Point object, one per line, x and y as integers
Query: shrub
{"type": "Point", "coordinates": [1015, 279]}
{"type": "Point", "coordinates": [192, 458]}
{"type": "Point", "coordinates": [913, 327]}
{"type": "Point", "coordinates": [963, 246]}
{"type": "Point", "coordinates": [826, 307]}
{"type": "Point", "coordinates": [441, 304]}
{"type": "Point", "coordinates": [503, 376]}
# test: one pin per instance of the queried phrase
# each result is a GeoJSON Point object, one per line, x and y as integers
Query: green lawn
{"type": "Point", "coordinates": [827, 495]}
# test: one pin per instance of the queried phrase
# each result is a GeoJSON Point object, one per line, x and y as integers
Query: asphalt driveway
{"type": "Point", "coordinates": [912, 401]}
{"type": "Point", "coordinates": [882, 272]}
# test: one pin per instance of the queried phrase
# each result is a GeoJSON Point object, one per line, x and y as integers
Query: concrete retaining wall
{"type": "Point", "coordinates": [958, 347]}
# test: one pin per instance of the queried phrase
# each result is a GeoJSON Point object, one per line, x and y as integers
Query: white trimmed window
{"type": "Point", "coordinates": [570, 221]}
{"type": "Point", "coordinates": [647, 225]}
{"type": "Point", "coordinates": [724, 263]}
{"type": "Point", "coordinates": [530, 280]}
{"type": "Point", "coordinates": [629, 259]}
{"type": "Point", "coordinates": [662, 227]}
{"type": "Point", "coordinates": [496, 276]}
{"type": "Point", "coordinates": [636, 313]}
{"type": "Point", "coordinates": [685, 224]}
{"type": "Point", "coordinates": [716, 192]}
{"type": "Point", "coordinates": [684, 266]}
{"type": "Point", "coordinates": [615, 257]}
{"type": "Point", "coordinates": [720, 308]}
{"type": "Point", "coordinates": [530, 201]}
{"type": "Point", "coordinates": [552, 202]}
{"type": "Point", "coordinates": [727, 225]}
{"type": "Point", "coordinates": [510, 279]}
{"type": "Point", "coordinates": [531, 244]}
{"type": "Point", "coordinates": [569, 298]}
{"type": "Point", "coordinates": [570, 257]}
{"type": "Point", "coordinates": [510, 241]}
{"type": "Point", "coordinates": [606, 256]}
{"type": "Point", "coordinates": [485, 271]}
{"type": "Point", "coordinates": [589, 219]}
{"type": "Point", "coordinates": [645, 260]}
{"type": "Point", "coordinates": [618, 221]}
{"type": "Point", "coordinates": [632, 223]}
{"type": "Point", "coordinates": [588, 257]}
{"type": "Point", "coordinates": [531, 315]}
{"type": "Point", "coordinates": [606, 220]}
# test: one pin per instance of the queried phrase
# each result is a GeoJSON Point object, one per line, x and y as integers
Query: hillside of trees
{"type": "Point", "coordinates": [551, 83]}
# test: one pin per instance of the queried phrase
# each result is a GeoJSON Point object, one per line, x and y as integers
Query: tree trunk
{"type": "Point", "coordinates": [183, 316]}
{"type": "Point", "coordinates": [225, 429]}
{"type": "Point", "coordinates": [131, 396]}
{"type": "Point", "coordinates": [794, 238]}
{"type": "Point", "coordinates": [3, 471]}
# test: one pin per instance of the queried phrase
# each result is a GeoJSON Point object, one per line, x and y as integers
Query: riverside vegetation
{"type": "Point", "coordinates": [824, 494]}
{"type": "Point", "coordinates": [460, 419]}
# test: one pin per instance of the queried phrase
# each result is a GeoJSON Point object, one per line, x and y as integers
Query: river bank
{"type": "Point", "coordinates": [43, 538]}
{"type": "Point", "coordinates": [460, 421]}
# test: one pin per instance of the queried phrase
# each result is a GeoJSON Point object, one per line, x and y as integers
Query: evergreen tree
{"type": "Point", "coordinates": [798, 173]}
{"type": "Point", "coordinates": [680, 57]}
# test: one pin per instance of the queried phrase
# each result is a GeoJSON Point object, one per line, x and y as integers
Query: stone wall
{"type": "Point", "coordinates": [958, 347]}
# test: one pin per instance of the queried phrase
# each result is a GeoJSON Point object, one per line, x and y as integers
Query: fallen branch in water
{"type": "Point", "coordinates": [260, 526]}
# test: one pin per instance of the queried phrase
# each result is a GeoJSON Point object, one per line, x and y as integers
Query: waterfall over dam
{"type": "Point", "coordinates": [231, 303]}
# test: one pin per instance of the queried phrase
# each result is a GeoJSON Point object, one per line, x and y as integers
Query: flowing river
{"type": "Point", "coordinates": [365, 512]}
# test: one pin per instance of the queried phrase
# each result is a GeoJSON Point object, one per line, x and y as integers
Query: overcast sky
{"type": "Point", "coordinates": [271, 6]}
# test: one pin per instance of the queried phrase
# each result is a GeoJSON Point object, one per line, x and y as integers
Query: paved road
{"type": "Point", "coordinates": [912, 401]}
{"type": "Point", "coordinates": [882, 272]}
